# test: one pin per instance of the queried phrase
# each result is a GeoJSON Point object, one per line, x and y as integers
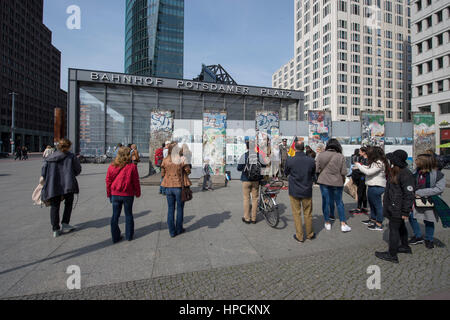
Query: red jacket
{"type": "Point", "coordinates": [123, 182]}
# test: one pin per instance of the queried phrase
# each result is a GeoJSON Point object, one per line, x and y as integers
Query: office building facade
{"type": "Point", "coordinates": [154, 38]}
{"type": "Point", "coordinates": [351, 56]}
{"type": "Point", "coordinates": [29, 66]}
{"type": "Point", "coordinates": [431, 62]}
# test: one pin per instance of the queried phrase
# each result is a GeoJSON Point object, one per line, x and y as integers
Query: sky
{"type": "Point", "coordinates": [251, 39]}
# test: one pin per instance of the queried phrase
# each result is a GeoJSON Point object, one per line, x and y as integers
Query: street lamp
{"type": "Point", "coordinates": [13, 137]}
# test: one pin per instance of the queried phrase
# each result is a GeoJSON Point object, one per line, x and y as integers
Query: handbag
{"type": "Point", "coordinates": [423, 203]}
{"type": "Point", "coordinates": [186, 192]}
{"type": "Point", "coordinates": [351, 189]}
{"type": "Point", "coordinates": [36, 196]}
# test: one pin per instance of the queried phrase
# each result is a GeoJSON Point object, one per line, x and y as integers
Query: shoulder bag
{"type": "Point", "coordinates": [423, 203]}
{"type": "Point", "coordinates": [186, 192]}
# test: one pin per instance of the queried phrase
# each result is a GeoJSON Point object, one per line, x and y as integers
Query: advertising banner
{"type": "Point", "coordinates": [424, 132]}
{"type": "Point", "coordinates": [372, 129]}
{"type": "Point", "coordinates": [161, 130]}
{"type": "Point", "coordinates": [215, 141]}
{"type": "Point", "coordinates": [319, 129]}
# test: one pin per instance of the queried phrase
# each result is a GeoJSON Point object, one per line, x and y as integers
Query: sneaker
{"type": "Point", "coordinates": [364, 210]}
{"type": "Point", "coordinates": [429, 244]}
{"type": "Point", "coordinates": [56, 234]}
{"type": "Point", "coordinates": [367, 222]}
{"type": "Point", "coordinates": [67, 228]}
{"type": "Point", "coordinates": [403, 249]}
{"type": "Point", "coordinates": [386, 256]}
{"type": "Point", "coordinates": [355, 211]}
{"type": "Point", "coordinates": [328, 226]}
{"type": "Point", "coordinates": [346, 228]}
{"type": "Point", "coordinates": [375, 227]}
{"type": "Point", "coordinates": [332, 218]}
{"type": "Point", "coordinates": [415, 240]}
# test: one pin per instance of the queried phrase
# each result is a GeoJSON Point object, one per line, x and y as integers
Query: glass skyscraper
{"type": "Point", "coordinates": [154, 38]}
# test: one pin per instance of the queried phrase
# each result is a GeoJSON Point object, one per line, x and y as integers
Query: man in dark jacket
{"type": "Point", "coordinates": [59, 172]}
{"type": "Point", "coordinates": [397, 205]}
{"type": "Point", "coordinates": [301, 170]}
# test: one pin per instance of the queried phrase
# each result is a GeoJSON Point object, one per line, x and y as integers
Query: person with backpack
{"type": "Point", "coordinates": [332, 169]}
{"type": "Point", "coordinates": [59, 171]}
{"type": "Point", "coordinates": [430, 183]}
{"type": "Point", "coordinates": [250, 165]}
{"type": "Point", "coordinates": [375, 172]}
{"type": "Point", "coordinates": [122, 185]}
{"type": "Point", "coordinates": [397, 204]}
{"type": "Point", "coordinates": [301, 170]}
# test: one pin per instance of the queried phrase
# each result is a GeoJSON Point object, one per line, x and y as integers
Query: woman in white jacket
{"type": "Point", "coordinates": [375, 173]}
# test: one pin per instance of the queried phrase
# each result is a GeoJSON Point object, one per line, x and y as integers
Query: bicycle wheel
{"type": "Point", "coordinates": [270, 212]}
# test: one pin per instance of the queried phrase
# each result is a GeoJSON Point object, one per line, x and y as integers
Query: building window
{"type": "Point", "coordinates": [440, 39]}
{"type": "Point", "coordinates": [342, 6]}
{"type": "Point", "coordinates": [430, 88]}
{"type": "Point", "coordinates": [440, 62]}
{"type": "Point", "coordinates": [342, 111]}
{"type": "Point", "coordinates": [425, 109]}
{"type": "Point", "coordinates": [444, 108]}
{"type": "Point", "coordinates": [439, 16]}
{"type": "Point", "coordinates": [440, 85]}
{"type": "Point", "coordinates": [429, 22]}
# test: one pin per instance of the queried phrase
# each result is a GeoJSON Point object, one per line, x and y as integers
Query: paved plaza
{"type": "Point", "coordinates": [218, 257]}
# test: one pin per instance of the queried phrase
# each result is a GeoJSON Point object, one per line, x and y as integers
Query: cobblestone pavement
{"type": "Point", "coordinates": [331, 275]}
{"type": "Point", "coordinates": [219, 257]}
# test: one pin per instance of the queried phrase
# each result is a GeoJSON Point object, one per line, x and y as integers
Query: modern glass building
{"type": "Point", "coordinates": [154, 38]}
{"type": "Point", "coordinates": [108, 108]}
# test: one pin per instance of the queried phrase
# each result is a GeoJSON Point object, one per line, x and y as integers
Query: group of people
{"type": "Point", "coordinates": [382, 174]}
{"type": "Point", "coordinates": [21, 153]}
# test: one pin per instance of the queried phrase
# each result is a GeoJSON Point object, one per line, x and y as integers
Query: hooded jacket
{"type": "Point", "coordinates": [399, 197]}
{"type": "Point", "coordinates": [59, 172]}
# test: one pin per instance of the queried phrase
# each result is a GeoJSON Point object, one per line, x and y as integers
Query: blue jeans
{"type": "Point", "coordinates": [324, 203]}
{"type": "Point", "coordinates": [375, 203]}
{"type": "Point", "coordinates": [174, 198]}
{"type": "Point", "coordinates": [429, 228]}
{"type": "Point", "coordinates": [117, 203]}
{"type": "Point", "coordinates": [330, 196]}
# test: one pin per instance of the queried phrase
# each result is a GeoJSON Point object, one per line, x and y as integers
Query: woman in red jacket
{"type": "Point", "coordinates": [122, 185]}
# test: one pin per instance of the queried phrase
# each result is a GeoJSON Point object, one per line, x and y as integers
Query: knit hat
{"type": "Point", "coordinates": [398, 158]}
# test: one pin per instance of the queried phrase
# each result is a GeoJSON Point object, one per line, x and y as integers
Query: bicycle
{"type": "Point", "coordinates": [267, 203]}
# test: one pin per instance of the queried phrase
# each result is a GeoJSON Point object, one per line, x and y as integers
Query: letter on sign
{"type": "Point", "coordinates": [74, 280]}
{"type": "Point", "coordinates": [74, 20]}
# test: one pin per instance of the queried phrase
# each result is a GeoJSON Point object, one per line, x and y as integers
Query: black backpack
{"type": "Point", "coordinates": [253, 171]}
